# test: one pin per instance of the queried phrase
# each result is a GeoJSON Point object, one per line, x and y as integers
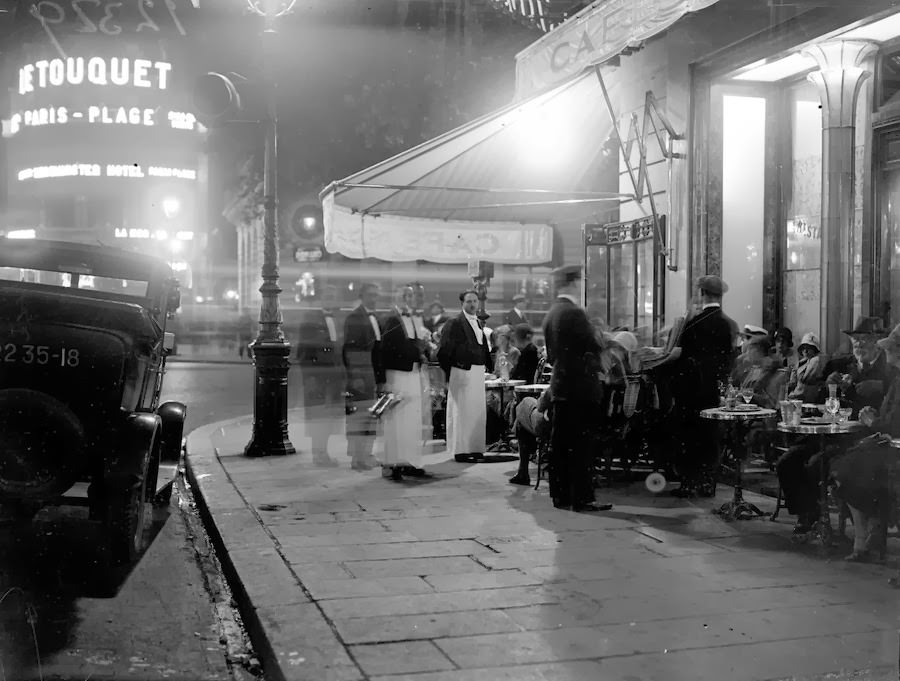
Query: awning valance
{"type": "Point", "coordinates": [490, 189]}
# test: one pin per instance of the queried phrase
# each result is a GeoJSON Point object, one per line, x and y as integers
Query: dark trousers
{"type": "Point", "coordinates": [798, 483]}
{"type": "Point", "coordinates": [799, 474]}
{"type": "Point", "coordinates": [572, 452]}
{"type": "Point", "coordinates": [698, 449]}
{"type": "Point", "coordinates": [527, 448]}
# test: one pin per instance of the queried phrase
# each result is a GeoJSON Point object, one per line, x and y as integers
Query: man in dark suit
{"type": "Point", "coordinates": [576, 394]}
{"type": "Point", "coordinates": [365, 376]}
{"type": "Point", "coordinates": [527, 363]}
{"type": "Point", "coordinates": [464, 355]}
{"type": "Point", "coordinates": [516, 315]}
{"type": "Point", "coordinates": [321, 375]}
{"type": "Point", "coordinates": [703, 356]}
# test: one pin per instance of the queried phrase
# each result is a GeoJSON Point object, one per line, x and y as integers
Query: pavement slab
{"type": "Point", "coordinates": [345, 575]}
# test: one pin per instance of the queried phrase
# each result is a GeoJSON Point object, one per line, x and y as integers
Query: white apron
{"type": "Point", "coordinates": [466, 411]}
{"type": "Point", "coordinates": [403, 443]}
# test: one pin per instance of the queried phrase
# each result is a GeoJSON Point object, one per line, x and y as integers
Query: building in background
{"type": "Point", "coordinates": [756, 139]}
{"type": "Point", "coordinates": [100, 142]}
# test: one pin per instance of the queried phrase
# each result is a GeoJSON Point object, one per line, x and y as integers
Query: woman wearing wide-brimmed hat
{"type": "Point", "coordinates": [806, 379]}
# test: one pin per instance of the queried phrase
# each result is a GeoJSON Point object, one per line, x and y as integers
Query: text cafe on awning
{"type": "Point", "coordinates": [658, 140]}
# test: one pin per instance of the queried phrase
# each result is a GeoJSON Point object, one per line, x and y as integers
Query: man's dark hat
{"type": "Point", "coordinates": [522, 331]}
{"type": "Point", "coordinates": [712, 284]}
{"type": "Point", "coordinates": [786, 334]}
{"type": "Point", "coordinates": [868, 326]}
{"type": "Point", "coordinates": [567, 274]}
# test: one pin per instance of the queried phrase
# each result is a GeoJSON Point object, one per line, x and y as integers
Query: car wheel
{"type": "Point", "coordinates": [152, 473]}
{"type": "Point", "coordinates": [125, 520]}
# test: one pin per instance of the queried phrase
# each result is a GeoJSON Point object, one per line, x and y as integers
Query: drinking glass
{"type": "Point", "coordinates": [832, 407]}
{"type": "Point", "coordinates": [747, 395]}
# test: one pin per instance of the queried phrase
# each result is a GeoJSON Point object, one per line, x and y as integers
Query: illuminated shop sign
{"type": "Point", "coordinates": [118, 71]}
{"type": "Point", "coordinates": [158, 234]}
{"type": "Point", "coordinates": [103, 115]}
{"type": "Point", "coordinates": [132, 170]}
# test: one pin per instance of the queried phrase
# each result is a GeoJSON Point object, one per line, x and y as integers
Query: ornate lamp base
{"type": "Point", "coordinates": [270, 402]}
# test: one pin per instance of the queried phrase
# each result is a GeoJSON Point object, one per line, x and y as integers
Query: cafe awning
{"type": "Point", "coordinates": [491, 189]}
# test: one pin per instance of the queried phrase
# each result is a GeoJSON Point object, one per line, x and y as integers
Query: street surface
{"type": "Point", "coordinates": [161, 619]}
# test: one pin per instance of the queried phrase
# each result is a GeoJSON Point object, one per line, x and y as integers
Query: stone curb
{"type": "Point", "coordinates": [295, 643]}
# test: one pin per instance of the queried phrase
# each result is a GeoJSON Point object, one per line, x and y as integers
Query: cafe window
{"type": "Point", "coordinates": [625, 274]}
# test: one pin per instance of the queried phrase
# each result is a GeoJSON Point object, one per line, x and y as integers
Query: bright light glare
{"type": "Point", "coordinates": [309, 222]}
{"type": "Point", "coordinates": [171, 206]}
{"type": "Point", "coordinates": [881, 30]}
{"type": "Point", "coordinates": [21, 234]}
{"type": "Point", "coordinates": [175, 245]}
{"type": "Point", "coordinates": [231, 295]}
{"type": "Point", "coordinates": [198, 299]}
{"type": "Point", "coordinates": [778, 70]}
{"type": "Point", "coordinates": [545, 134]}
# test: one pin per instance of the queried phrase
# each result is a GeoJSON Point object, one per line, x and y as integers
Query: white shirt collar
{"type": "Point", "coordinates": [470, 317]}
{"type": "Point", "coordinates": [708, 305]}
{"type": "Point", "coordinates": [569, 297]}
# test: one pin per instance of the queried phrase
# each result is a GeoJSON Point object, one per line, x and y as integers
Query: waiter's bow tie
{"type": "Point", "coordinates": [405, 314]}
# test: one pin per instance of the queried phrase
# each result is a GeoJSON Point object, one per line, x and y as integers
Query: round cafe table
{"type": "Point", "coordinates": [738, 508]}
{"type": "Point", "coordinates": [823, 428]}
{"type": "Point", "coordinates": [504, 444]}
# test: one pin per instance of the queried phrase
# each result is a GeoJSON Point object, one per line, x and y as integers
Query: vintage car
{"type": "Point", "coordinates": [83, 348]}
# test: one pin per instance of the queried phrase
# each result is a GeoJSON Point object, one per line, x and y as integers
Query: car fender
{"type": "Point", "coordinates": [172, 415]}
{"type": "Point", "coordinates": [126, 465]}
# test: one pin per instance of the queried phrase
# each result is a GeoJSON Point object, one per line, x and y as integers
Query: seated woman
{"type": "Point", "coordinates": [760, 373]}
{"type": "Point", "coordinates": [861, 474]}
{"type": "Point", "coordinates": [807, 381]}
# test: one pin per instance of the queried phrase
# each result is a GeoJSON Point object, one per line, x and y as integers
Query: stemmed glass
{"type": "Point", "coordinates": [832, 404]}
{"type": "Point", "coordinates": [746, 394]}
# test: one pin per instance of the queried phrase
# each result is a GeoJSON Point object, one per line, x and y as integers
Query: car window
{"type": "Point", "coordinates": [125, 287]}
{"type": "Point", "coordinates": [45, 277]}
{"type": "Point", "coordinates": [85, 282]}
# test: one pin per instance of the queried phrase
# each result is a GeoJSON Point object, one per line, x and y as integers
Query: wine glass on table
{"type": "Point", "coordinates": [832, 403]}
{"type": "Point", "coordinates": [746, 394]}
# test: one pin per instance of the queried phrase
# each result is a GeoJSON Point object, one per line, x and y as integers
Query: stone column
{"type": "Point", "coordinates": [842, 70]}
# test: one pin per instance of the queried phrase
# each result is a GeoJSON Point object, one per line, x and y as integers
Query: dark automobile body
{"type": "Point", "coordinates": [83, 346]}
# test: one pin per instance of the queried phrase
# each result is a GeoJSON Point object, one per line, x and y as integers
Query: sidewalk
{"type": "Point", "coordinates": [344, 575]}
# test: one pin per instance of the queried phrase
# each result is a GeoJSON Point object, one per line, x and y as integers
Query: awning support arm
{"type": "Point", "coordinates": [637, 183]}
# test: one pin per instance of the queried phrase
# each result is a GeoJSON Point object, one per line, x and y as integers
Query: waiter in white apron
{"type": "Point", "coordinates": [465, 356]}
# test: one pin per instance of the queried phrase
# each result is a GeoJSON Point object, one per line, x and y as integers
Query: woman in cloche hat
{"type": "Point", "coordinates": [806, 378]}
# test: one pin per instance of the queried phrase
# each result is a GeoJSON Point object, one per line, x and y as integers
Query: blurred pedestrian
{"type": "Point", "coordinates": [365, 376]}
{"type": "Point", "coordinates": [322, 376]}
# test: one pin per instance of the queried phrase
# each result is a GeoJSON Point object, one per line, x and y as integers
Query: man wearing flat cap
{"type": "Point", "coordinates": [863, 379]}
{"type": "Point", "coordinates": [516, 315]}
{"type": "Point", "coordinates": [704, 355]}
{"type": "Point", "coordinates": [576, 395]}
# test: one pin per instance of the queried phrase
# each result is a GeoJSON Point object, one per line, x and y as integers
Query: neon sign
{"type": "Point", "coordinates": [103, 115]}
{"type": "Point", "coordinates": [131, 170]}
{"type": "Point", "coordinates": [119, 71]}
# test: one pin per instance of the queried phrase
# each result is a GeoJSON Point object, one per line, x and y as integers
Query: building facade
{"type": "Point", "coordinates": [100, 142]}
{"type": "Point", "coordinates": [756, 140]}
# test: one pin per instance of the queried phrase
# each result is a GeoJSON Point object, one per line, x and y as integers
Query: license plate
{"type": "Point", "coordinates": [41, 355]}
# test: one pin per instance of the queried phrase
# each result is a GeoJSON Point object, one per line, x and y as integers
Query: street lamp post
{"type": "Point", "coordinates": [271, 351]}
